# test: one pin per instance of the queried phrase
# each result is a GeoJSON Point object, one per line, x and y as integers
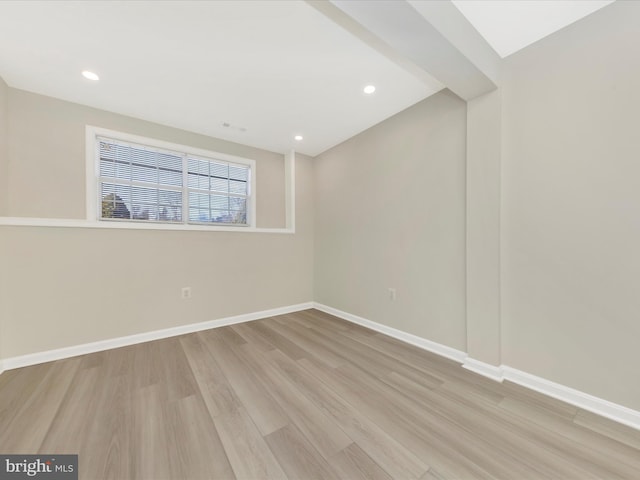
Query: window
{"type": "Point", "coordinates": [145, 182]}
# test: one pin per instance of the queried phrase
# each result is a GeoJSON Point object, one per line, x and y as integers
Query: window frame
{"type": "Point", "coordinates": [93, 180]}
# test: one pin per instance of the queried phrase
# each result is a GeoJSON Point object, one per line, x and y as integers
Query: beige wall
{"type": "Point", "coordinates": [390, 212]}
{"type": "Point", "coordinates": [68, 286]}
{"type": "Point", "coordinates": [4, 157]}
{"type": "Point", "coordinates": [484, 137]}
{"type": "Point", "coordinates": [4, 163]}
{"type": "Point", "coordinates": [47, 154]}
{"type": "Point", "coordinates": [571, 220]}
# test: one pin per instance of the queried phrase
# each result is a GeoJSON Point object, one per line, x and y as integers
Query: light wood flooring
{"type": "Point", "coordinates": [299, 396]}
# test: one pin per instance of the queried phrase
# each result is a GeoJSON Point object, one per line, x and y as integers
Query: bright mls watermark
{"type": "Point", "coordinates": [50, 467]}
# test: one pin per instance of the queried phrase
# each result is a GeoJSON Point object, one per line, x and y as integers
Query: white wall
{"type": "Point", "coordinates": [571, 197]}
{"type": "Point", "coordinates": [390, 212]}
{"type": "Point", "coordinates": [69, 286]}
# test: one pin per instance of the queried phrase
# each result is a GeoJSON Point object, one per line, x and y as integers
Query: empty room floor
{"type": "Point", "coordinates": [299, 396]}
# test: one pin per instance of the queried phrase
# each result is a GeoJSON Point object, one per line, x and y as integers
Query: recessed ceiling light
{"type": "Point", "coordinates": [369, 89]}
{"type": "Point", "coordinates": [90, 75]}
{"type": "Point", "coordinates": [298, 138]}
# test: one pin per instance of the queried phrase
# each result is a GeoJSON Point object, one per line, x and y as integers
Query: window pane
{"type": "Point", "coordinates": [170, 214]}
{"type": "Point", "coordinates": [107, 168]}
{"type": "Point", "coordinates": [219, 170]}
{"type": "Point", "coordinates": [238, 204]}
{"type": "Point", "coordinates": [219, 203]}
{"type": "Point", "coordinates": [170, 177]}
{"type": "Point", "coordinates": [220, 216]}
{"type": "Point", "coordinates": [193, 180]}
{"type": "Point", "coordinates": [124, 192]}
{"type": "Point", "coordinates": [144, 195]}
{"type": "Point", "coordinates": [143, 157]}
{"type": "Point", "coordinates": [237, 187]}
{"type": "Point", "coordinates": [123, 170]}
{"type": "Point", "coordinates": [170, 162]}
{"type": "Point", "coordinates": [219, 184]}
{"type": "Point", "coordinates": [141, 173]}
{"type": "Point", "coordinates": [199, 215]}
{"type": "Point", "coordinates": [113, 204]}
{"type": "Point", "coordinates": [200, 200]}
{"type": "Point", "coordinates": [238, 173]}
{"type": "Point", "coordinates": [170, 198]}
{"type": "Point", "coordinates": [239, 217]}
{"type": "Point", "coordinates": [144, 212]}
{"type": "Point", "coordinates": [146, 184]}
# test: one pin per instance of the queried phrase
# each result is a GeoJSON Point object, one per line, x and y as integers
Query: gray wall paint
{"type": "Point", "coordinates": [571, 191]}
{"type": "Point", "coordinates": [69, 286]}
{"type": "Point", "coordinates": [390, 212]}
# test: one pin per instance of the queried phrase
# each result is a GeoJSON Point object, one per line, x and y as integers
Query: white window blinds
{"type": "Point", "coordinates": [144, 183]}
{"type": "Point", "coordinates": [217, 191]}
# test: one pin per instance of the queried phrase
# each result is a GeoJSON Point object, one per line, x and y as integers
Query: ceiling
{"type": "Point", "coordinates": [509, 26]}
{"type": "Point", "coordinates": [254, 72]}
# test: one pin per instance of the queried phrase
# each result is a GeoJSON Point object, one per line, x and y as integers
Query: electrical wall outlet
{"type": "Point", "coordinates": [186, 292]}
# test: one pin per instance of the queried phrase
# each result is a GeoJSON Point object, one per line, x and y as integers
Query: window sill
{"type": "Point", "coordinates": [78, 223]}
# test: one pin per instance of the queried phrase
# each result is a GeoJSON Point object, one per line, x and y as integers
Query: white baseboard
{"type": "Point", "coordinates": [485, 369]}
{"type": "Point", "coordinates": [599, 406]}
{"type": "Point", "coordinates": [434, 347]}
{"type": "Point", "coordinates": [61, 353]}
{"type": "Point", "coordinates": [585, 401]}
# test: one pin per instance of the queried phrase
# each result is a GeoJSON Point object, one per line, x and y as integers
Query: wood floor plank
{"type": "Point", "coordinates": [429, 425]}
{"type": "Point", "coordinates": [171, 364]}
{"type": "Point", "coordinates": [195, 449]}
{"type": "Point", "coordinates": [149, 434]}
{"type": "Point", "coordinates": [69, 431]}
{"type": "Point", "coordinates": [321, 430]}
{"type": "Point", "coordinates": [507, 438]}
{"type": "Point", "coordinates": [394, 458]}
{"type": "Point", "coordinates": [432, 475]}
{"type": "Point", "coordinates": [265, 411]}
{"type": "Point", "coordinates": [113, 437]}
{"type": "Point", "coordinates": [246, 449]}
{"type": "Point", "coordinates": [26, 428]}
{"type": "Point", "coordinates": [297, 456]}
{"type": "Point", "coordinates": [303, 395]}
{"type": "Point", "coordinates": [304, 338]}
{"type": "Point", "coordinates": [257, 341]}
{"type": "Point", "coordinates": [387, 416]}
{"type": "Point", "coordinates": [322, 318]}
{"type": "Point", "coordinates": [353, 463]}
{"type": "Point", "coordinates": [274, 338]}
{"type": "Point", "coordinates": [17, 387]}
{"type": "Point", "coordinates": [217, 393]}
{"type": "Point", "coordinates": [562, 435]}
